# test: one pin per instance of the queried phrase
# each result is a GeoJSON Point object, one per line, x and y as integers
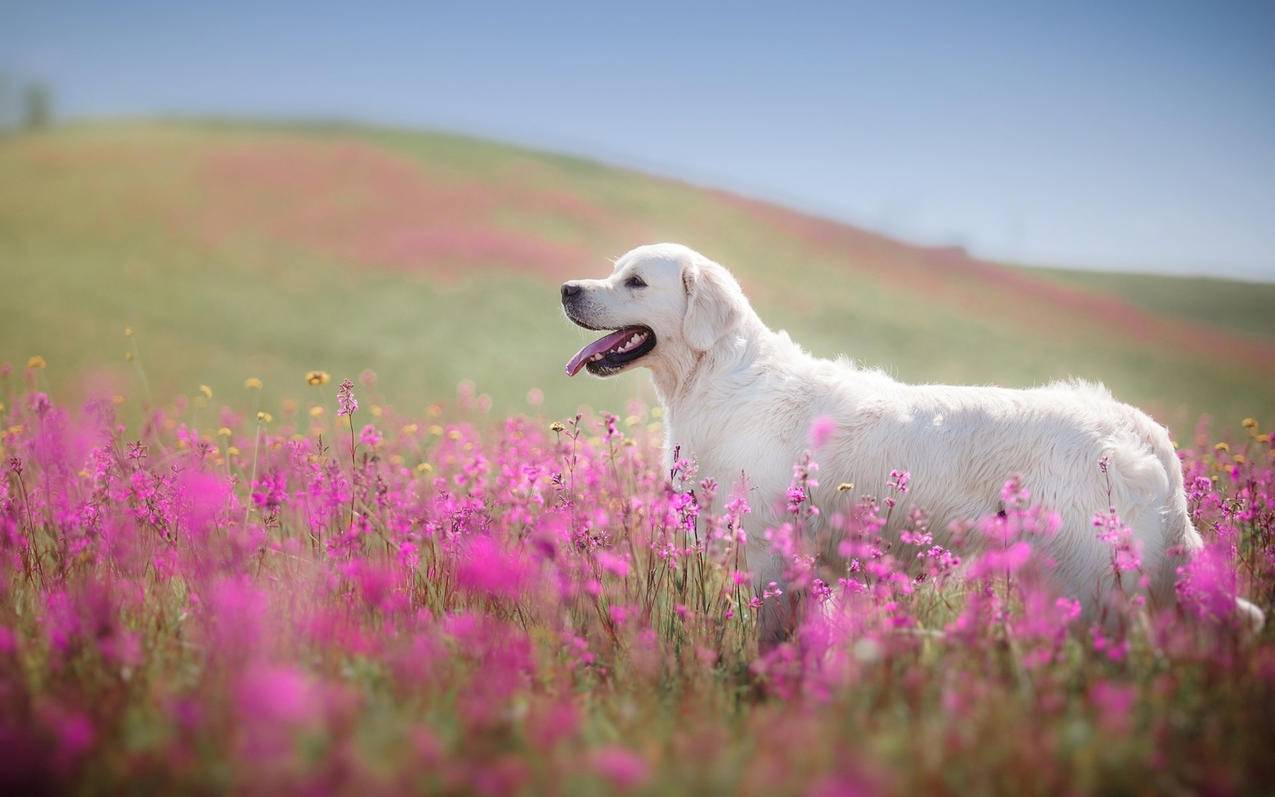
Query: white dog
{"type": "Point", "coordinates": [740, 399]}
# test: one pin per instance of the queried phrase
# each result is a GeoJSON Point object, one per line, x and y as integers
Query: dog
{"type": "Point", "coordinates": [740, 399]}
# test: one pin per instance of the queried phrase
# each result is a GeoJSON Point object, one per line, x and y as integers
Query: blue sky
{"type": "Point", "coordinates": [1136, 137]}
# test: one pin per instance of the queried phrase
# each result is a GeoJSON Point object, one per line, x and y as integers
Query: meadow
{"type": "Point", "coordinates": [237, 250]}
{"type": "Point", "coordinates": [296, 498]}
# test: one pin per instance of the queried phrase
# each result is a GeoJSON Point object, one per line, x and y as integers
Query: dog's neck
{"type": "Point", "coordinates": [681, 377]}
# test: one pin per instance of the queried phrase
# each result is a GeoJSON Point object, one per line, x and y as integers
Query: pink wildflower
{"type": "Point", "coordinates": [822, 429]}
{"type": "Point", "coordinates": [346, 403]}
{"type": "Point", "coordinates": [623, 768]}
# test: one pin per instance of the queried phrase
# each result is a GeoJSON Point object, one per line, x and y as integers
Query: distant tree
{"type": "Point", "coordinates": [37, 107]}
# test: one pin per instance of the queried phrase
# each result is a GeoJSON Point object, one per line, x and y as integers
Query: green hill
{"type": "Point", "coordinates": [239, 250]}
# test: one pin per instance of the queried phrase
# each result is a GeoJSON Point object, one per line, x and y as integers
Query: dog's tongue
{"type": "Point", "coordinates": [596, 347]}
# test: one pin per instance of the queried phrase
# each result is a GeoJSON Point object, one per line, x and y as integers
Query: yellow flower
{"type": "Point", "coordinates": [128, 332]}
{"type": "Point", "coordinates": [435, 429]}
{"type": "Point", "coordinates": [223, 432]}
{"type": "Point", "coordinates": [1221, 447]}
{"type": "Point", "coordinates": [632, 420]}
{"type": "Point", "coordinates": [36, 361]}
{"type": "Point", "coordinates": [433, 410]}
{"type": "Point", "coordinates": [845, 487]}
{"type": "Point", "coordinates": [1240, 459]}
{"type": "Point", "coordinates": [264, 417]}
{"type": "Point", "coordinates": [1249, 423]}
{"type": "Point", "coordinates": [117, 399]}
{"type": "Point", "coordinates": [232, 451]}
{"type": "Point", "coordinates": [410, 429]}
{"type": "Point", "coordinates": [316, 411]}
{"type": "Point", "coordinates": [424, 467]}
{"type": "Point", "coordinates": [317, 378]}
{"type": "Point", "coordinates": [657, 412]}
{"type": "Point", "coordinates": [1263, 438]}
{"type": "Point", "coordinates": [252, 383]}
{"type": "Point", "coordinates": [128, 356]}
{"type": "Point", "coordinates": [557, 426]}
{"type": "Point", "coordinates": [453, 434]}
{"type": "Point", "coordinates": [16, 429]}
{"type": "Point", "coordinates": [206, 391]}
{"type": "Point", "coordinates": [377, 411]}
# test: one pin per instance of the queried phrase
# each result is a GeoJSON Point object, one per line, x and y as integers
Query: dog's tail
{"type": "Point", "coordinates": [1182, 533]}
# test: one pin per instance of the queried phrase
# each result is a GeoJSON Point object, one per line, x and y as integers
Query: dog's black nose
{"type": "Point", "coordinates": [569, 290]}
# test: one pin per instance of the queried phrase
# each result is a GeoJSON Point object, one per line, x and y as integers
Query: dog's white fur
{"type": "Point", "coordinates": [741, 398]}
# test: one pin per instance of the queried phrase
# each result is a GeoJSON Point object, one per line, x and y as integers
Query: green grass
{"type": "Point", "coordinates": [1246, 307]}
{"type": "Point", "coordinates": [100, 228]}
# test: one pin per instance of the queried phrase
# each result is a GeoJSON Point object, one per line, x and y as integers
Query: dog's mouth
{"type": "Point", "coordinates": [614, 352]}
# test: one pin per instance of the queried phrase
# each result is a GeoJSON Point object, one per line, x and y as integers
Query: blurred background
{"type": "Point", "coordinates": [976, 192]}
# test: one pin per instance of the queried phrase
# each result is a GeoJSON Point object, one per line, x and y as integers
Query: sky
{"type": "Point", "coordinates": [1131, 136]}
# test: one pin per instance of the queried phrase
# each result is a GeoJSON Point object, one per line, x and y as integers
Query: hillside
{"type": "Point", "coordinates": [239, 251]}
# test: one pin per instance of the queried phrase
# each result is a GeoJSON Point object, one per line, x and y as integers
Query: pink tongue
{"type": "Point", "coordinates": [596, 347]}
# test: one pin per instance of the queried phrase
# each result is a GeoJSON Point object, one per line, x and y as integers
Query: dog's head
{"type": "Point", "coordinates": [661, 301]}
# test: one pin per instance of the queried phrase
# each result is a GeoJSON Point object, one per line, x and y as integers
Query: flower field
{"type": "Point", "coordinates": [328, 596]}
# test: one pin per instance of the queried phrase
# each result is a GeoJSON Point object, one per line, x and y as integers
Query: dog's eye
{"type": "Point", "coordinates": [634, 282]}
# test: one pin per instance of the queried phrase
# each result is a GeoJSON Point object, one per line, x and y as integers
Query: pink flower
{"type": "Point", "coordinates": [485, 568]}
{"type": "Point", "coordinates": [624, 769]}
{"type": "Point", "coordinates": [75, 736]}
{"type": "Point", "coordinates": [39, 403]}
{"type": "Point", "coordinates": [8, 641]}
{"type": "Point", "coordinates": [370, 436]}
{"type": "Point", "coordinates": [899, 480]}
{"type": "Point", "coordinates": [269, 491]}
{"type": "Point", "coordinates": [821, 431]}
{"type": "Point", "coordinates": [996, 562]}
{"type": "Point", "coordinates": [280, 695]}
{"type": "Point", "coordinates": [615, 565]}
{"type": "Point", "coordinates": [346, 403]}
{"type": "Point", "coordinates": [1113, 702]}
{"type": "Point", "coordinates": [619, 614]}
{"type": "Point", "coordinates": [1206, 585]}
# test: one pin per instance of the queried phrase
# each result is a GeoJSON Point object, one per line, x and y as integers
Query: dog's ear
{"type": "Point", "coordinates": [713, 301]}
